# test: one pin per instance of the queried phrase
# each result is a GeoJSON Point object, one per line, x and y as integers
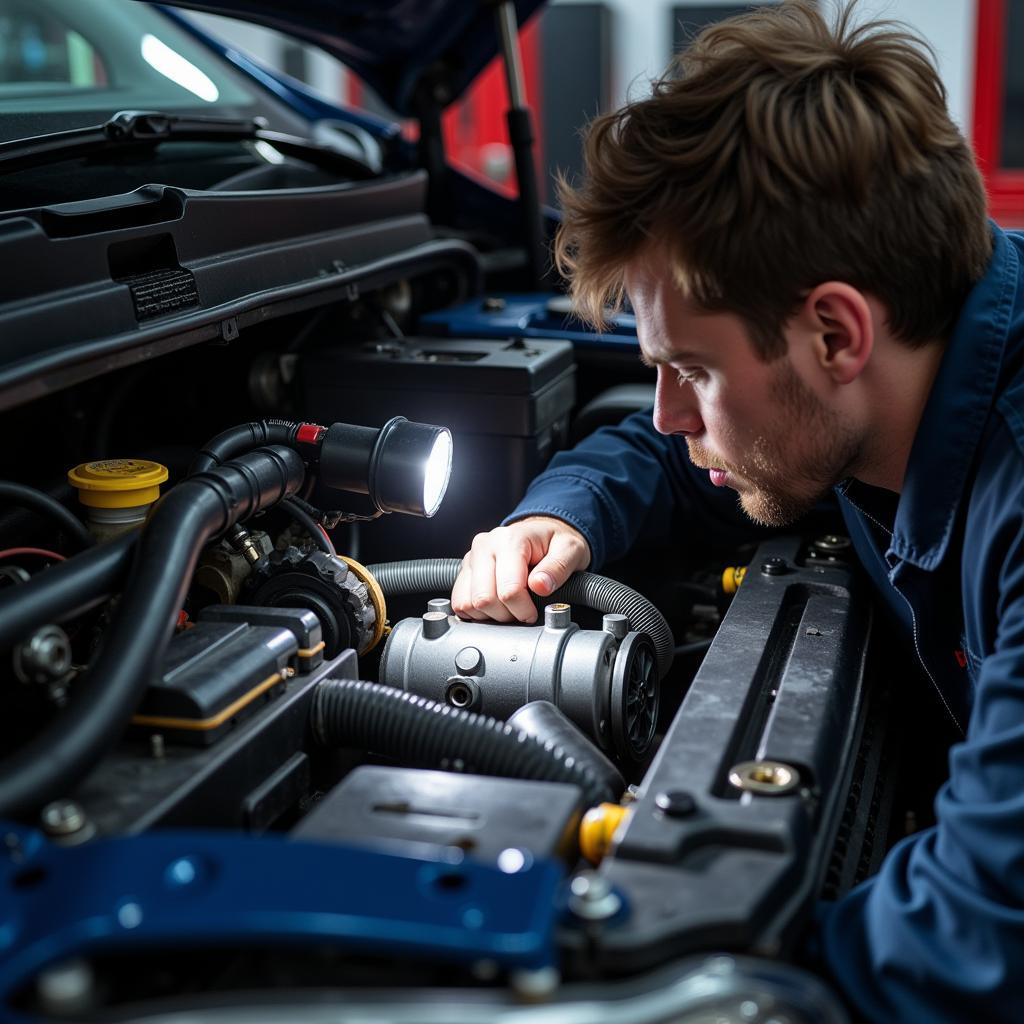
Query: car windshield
{"type": "Point", "coordinates": [70, 63]}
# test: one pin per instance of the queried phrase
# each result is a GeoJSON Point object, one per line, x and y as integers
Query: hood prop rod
{"type": "Point", "coordinates": [520, 131]}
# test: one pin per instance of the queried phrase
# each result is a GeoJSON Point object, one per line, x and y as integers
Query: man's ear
{"type": "Point", "coordinates": [843, 333]}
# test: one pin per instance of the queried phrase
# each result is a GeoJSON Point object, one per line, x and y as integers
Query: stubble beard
{"type": "Point", "coordinates": [788, 471]}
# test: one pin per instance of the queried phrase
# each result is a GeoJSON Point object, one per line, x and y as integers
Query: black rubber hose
{"type": "Point", "coordinates": [437, 575]}
{"type": "Point", "coordinates": [65, 590]}
{"type": "Point", "coordinates": [244, 438]}
{"type": "Point", "coordinates": [428, 734]}
{"type": "Point", "coordinates": [549, 724]}
{"type": "Point", "coordinates": [104, 697]}
{"type": "Point", "coordinates": [40, 501]}
{"type": "Point", "coordinates": [309, 524]}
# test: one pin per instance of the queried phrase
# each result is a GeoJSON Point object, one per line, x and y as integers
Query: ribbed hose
{"type": "Point", "coordinates": [433, 576]}
{"type": "Point", "coordinates": [428, 734]}
{"type": "Point", "coordinates": [243, 438]}
{"type": "Point", "coordinates": [437, 575]}
{"type": "Point", "coordinates": [104, 697]}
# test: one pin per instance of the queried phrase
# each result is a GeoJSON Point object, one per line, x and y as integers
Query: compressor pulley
{"type": "Point", "coordinates": [325, 584]}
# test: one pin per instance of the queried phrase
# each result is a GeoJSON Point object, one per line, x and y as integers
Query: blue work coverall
{"type": "Point", "coordinates": [938, 934]}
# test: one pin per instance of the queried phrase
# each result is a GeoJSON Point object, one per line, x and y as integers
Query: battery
{"type": "Point", "coordinates": [506, 401]}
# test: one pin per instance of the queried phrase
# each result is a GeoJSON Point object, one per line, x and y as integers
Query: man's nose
{"type": "Point", "coordinates": [676, 409]}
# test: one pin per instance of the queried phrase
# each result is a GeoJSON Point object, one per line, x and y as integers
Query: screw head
{"type": "Point", "coordinates": [832, 542]}
{"type": "Point", "coordinates": [592, 897]}
{"type": "Point", "coordinates": [66, 987]}
{"type": "Point", "coordinates": [62, 818]}
{"type": "Point", "coordinates": [535, 985]}
{"type": "Point", "coordinates": [766, 778]}
{"type": "Point", "coordinates": [774, 566]}
{"type": "Point", "coordinates": [676, 803]}
{"type": "Point", "coordinates": [44, 657]}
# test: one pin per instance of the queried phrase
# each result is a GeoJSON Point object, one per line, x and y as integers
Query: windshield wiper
{"type": "Point", "coordinates": [130, 129]}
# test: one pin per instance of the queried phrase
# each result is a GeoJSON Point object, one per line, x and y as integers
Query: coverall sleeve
{"type": "Point", "coordinates": [938, 934]}
{"type": "Point", "coordinates": [628, 480]}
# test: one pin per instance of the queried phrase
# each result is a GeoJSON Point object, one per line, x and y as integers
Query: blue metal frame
{"type": "Point", "coordinates": [178, 888]}
{"type": "Point", "coordinates": [526, 315]}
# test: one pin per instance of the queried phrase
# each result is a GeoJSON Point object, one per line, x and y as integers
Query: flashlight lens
{"type": "Point", "coordinates": [438, 469]}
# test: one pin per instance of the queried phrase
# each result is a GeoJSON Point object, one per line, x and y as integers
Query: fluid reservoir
{"type": "Point", "coordinates": [117, 494]}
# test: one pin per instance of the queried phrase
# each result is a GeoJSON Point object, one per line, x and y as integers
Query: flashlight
{"type": "Point", "coordinates": [403, 466]}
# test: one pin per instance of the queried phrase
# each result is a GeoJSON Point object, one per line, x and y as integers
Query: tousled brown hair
{"type": "Point", "coordinates": [778, 154]}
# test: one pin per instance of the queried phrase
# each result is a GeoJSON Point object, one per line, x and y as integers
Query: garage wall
{"type": "Point", "coordinates": [642, 34]}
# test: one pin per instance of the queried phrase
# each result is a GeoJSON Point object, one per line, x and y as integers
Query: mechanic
{"type": "Point", "coordinates": [802, 233]}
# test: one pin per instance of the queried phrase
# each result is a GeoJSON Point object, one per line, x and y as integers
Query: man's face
{"type": "Point", "coordinates": [757, 427]}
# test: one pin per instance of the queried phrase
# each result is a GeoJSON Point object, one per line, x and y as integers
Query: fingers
{"type": "Point", "coordinates": [495, 581]}
{"type": "Point", "coordinates": [491, 585]}
{"type": "Point", "coordinates": [511, 566]}
{"type": "Point", "coordinates": [567, 553]}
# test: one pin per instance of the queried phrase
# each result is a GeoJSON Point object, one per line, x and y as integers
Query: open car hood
{"type": "Point", "coordinates": [390, 44]}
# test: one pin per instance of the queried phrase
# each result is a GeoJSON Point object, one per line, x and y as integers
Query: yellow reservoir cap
{"type": "Point", "coordinates": [732, 578]}
{"type": "Point", "coordinates": [118, 483]}
{"type": "Point", "coordinates": [598, 828]}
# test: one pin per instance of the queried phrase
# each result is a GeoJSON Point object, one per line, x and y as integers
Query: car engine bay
{"type": "Point", "coordinates": [255, 767]}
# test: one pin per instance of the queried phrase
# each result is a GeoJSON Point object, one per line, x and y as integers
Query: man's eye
{"type": "Point", "coordinates": [689, 376]}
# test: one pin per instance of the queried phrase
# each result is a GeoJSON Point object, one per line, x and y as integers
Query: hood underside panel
{"type": "Point", "coordinates": [390, 44]}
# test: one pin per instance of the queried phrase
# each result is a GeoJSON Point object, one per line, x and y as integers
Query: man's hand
{"type": "Point", "coordinates": [496, 578]}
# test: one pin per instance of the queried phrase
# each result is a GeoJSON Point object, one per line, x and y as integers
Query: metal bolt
{"type": "Point", "coordinates": [617, 625]}
{"type": "Point", "coordinates": [774, 566]}
{"type": "Point", "coordinates": [493, 304]}
{"type": "Point", "coordinates": [435, 624]}
{"type": "Point", "coordinates": [535, 985]}
{"type": "Point", "coordinates": [156, 745]}
{"type": "Point", "coordinates": [676, 803]}
{"type": "Point", "coordinates": [63, 818]}
{"type": "Point", "coordinates": [749, 1010]}
{"type": "Point", "coordinates": [440, 604]}
{"type": "Point", "coordinates": [766, 778]}
{"type": "Point", "coordinates": [468, 660]}
{"type": "Point", "coordinates": [832, 542]}
{"type": "Point", "coordinates": [66, 988]}
{"type": "Point", "coordinates": [558, 616]}
{"type": "Point", "coordinates": [45, 656]}
{"type": "Point", "coordinates": [592, 897]}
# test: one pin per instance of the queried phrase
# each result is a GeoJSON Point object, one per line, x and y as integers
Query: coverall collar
{"type": "Point", "coordinates": [955, 414]}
